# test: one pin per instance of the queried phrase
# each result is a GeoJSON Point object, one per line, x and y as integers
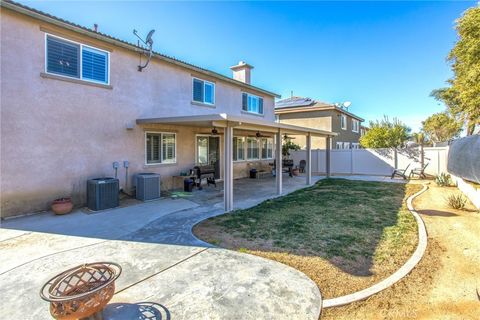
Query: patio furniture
{"type": "Point", "coordinates": [302, 166]}
{"type": "Point", "coordinates": [81, 292]}
{"type": "Point", "coordinates": [420, 172]}
{"type": "Point", "coordinates": [287, 166]}
{"type": "Point", "coordinates": [400, 172]}
{"type": "Point", "coordinates": [205, 172]}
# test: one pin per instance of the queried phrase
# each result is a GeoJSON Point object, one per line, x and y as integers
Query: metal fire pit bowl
{"type": "Point", "coordinates": [82, 291]}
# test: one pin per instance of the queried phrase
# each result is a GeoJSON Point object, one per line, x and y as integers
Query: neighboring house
{"type": "Point", "coordinates": [73, 103]}
{"type": "Point", "coordinates": [309, 113]}
{"type": "Point", "coordinates": [363, 130]}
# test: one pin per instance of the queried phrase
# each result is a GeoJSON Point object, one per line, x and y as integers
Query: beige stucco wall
{"type": "Point", "coordinates": [324, 120]}
{"type": "Point", "coordinates": [313, 119]}
{"type": "Point", "coordinates": [56, 134]}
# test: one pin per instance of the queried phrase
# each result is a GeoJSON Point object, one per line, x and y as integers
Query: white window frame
{"type": "Point", "coordinates": [343, 121]}
{"type": "Point", "coordinates": [205, 82]}
{"type": "Point", "coordinates": [220, 158]}
{"type": "Point", "coordinates": [80, 75]}
{"type": "Point", "coordinates": [261, 148]}
{"type": "Point", "coordinates": [244, 149]}
{"type": "Point", "coordinates": [258, 103]}
{"type": "Point", "coordinates": [355, 124]}
{"type": "Point", "coordinates": [161, 133]}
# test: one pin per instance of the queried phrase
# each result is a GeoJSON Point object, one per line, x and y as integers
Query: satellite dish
{"type": "Point", "coordinates": [149, 43]}
{"type": "Point", "coordinates": [347, 104]}
{"type": "Point", "coordinates": [148, 39]}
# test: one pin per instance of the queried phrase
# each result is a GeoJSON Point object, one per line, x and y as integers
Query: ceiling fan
{"type": "Point", "coordinates": [286, 137]}
{"type": "Point", "coordinates": [258, 134]}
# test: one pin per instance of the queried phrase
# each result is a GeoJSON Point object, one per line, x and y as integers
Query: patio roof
{"type": "Point", "coordinates": [221, 120]}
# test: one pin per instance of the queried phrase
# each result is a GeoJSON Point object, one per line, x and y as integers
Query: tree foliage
{"type": "Point", "coordinates": [441, 127]}
{"type": "Point", "coordinates": [385, 134]}
{"type": "Point", "coordinates": [288, 145]}
{"type": "Point", "coordinates": [462, 97]}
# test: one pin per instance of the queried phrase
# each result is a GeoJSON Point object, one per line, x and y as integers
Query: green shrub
{"type": "Point", "coordinates": [443, 180]}
{"type": "Point", "coordinates": [456, 201]}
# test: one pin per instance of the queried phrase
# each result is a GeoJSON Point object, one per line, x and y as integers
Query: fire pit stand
{"type": "Point", "coordinates": [81, 292]}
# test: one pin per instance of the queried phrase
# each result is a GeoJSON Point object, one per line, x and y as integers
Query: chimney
{"type": "Point", "coordinates": [241, 72]}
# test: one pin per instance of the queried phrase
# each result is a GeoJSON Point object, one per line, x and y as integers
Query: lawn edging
{"type": "Point", "coordinates": [397, 275]}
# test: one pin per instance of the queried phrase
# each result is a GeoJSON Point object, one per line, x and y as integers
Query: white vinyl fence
{"type": "Point", "coordinates": [374, 161]}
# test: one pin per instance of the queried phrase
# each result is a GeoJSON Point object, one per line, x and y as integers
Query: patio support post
{"type": "Point", "coordinates": [228, 168]}
{"type": "Point", "coordinates": [327, 156]}
{"type": "Point", "coordinates": [278, 162]}
{"type": "Point", "coordinates": [309, 159]}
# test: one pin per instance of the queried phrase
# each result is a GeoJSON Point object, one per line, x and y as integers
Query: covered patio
{"type": "Point", "coordinates": [227, 125]}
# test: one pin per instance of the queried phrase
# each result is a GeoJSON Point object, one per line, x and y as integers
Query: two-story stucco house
{"type": "Point", "coordinates": [73, 102]}
{"type": "Point", "coordinates": [310, 113]}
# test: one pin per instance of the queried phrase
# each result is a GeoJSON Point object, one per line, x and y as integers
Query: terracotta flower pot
{"type": "Point", "coordinates": [295, 172]}
{"type": "Point", "coordinates": [62, 205]}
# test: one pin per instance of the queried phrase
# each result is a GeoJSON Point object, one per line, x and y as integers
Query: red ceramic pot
{"type": "Point", "coordinates": [62, 205]}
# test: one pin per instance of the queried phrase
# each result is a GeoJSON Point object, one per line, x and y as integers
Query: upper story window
{"type": "Point", "coordinates": [343, 121]}
{"type": "Point", "coordinates": [203, 91]}
{"type": "Point", "coordinates": [160, 147]}
{"type": "Point", "coordinates": [75, 60]}
{"type": "Point", "coordinates": [355, 125]}
{"type": "Point", "coordinates": [251, 103]}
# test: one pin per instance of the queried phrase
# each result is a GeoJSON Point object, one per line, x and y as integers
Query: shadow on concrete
{"type": "Point", "coordinates": [137, 311]}
{"type": "Point", "coordinates": [165, 221]}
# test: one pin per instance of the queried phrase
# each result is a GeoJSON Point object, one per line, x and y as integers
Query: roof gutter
{"type": "Point", "coordinates": [120, 43]}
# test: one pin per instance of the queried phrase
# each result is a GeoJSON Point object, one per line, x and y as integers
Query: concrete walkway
{"type": "Point", "coordinates": [167, 272]}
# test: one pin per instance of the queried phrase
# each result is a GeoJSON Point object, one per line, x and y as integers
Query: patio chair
{"type": "Point", "coordinates": [420, 172]}
{"type": "Point", "coordinates": [400, 172]}
{"type": "Point", "coordinates": [302, 166]}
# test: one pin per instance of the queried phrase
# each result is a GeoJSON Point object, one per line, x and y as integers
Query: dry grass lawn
{"type": "Point", "coordinates": [345, 235]}
{"type": "Point", "coordinates": [446, 283]}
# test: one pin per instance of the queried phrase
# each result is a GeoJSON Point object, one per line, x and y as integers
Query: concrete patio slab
{"type": "Point", "coordinates": [165, 268]}
{"type": "Point", "coordinates": [222, 284]}
{"type": "Point", "coordinates": [107, 224]}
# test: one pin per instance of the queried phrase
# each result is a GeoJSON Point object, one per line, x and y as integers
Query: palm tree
{"type": "Point", "coordinates": [420, 139]}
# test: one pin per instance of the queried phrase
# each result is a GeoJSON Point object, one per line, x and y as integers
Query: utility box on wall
{"type": "Point", "coordinates": [148, 186]}
{"type": "Point", "coordinates": [102, 193]}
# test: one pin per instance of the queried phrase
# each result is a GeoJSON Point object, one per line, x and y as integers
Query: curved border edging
{"type": "Point", "coordinates": [397, 275]}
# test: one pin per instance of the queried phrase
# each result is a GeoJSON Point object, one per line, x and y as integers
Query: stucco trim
{"type": "Point", "coordinates": [77, 81]}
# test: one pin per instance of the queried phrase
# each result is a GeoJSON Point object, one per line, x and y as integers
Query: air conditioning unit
{"type": "Point", "coordinates": [148, 186]}
{"type": "Point", "coordinates": [102, 193]}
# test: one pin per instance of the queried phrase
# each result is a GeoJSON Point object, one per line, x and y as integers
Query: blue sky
{"type": "Point", "coordinates": [384, 57]}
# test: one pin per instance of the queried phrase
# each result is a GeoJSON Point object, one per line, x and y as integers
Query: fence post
{"type": "Point", "coordinates": [351, 161]}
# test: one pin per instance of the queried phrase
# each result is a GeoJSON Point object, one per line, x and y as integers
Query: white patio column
{"type": "Point", "coordinates": [327, 156]}
{"type": "Point", "coordinates": [309, 159]}
{"type": "Point", "coordinates": [228, 169]}
{"type": "Point", "coordinates": [278, 162]}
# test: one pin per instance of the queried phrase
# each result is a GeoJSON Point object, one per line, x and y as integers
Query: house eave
{"type": "Point", "coordinates": [223, 120]}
